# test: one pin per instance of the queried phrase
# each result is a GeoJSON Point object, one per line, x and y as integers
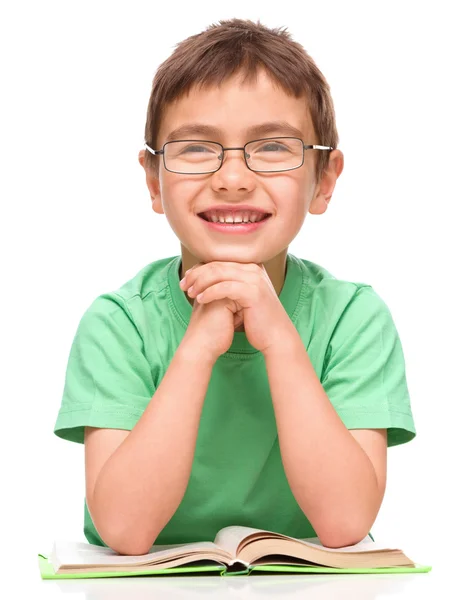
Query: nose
{"type": "Point", "coordinates": [234, 172]}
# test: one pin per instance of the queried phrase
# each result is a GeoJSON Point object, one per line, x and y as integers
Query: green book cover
{"type": "Point", "coordinates": [47, 571]}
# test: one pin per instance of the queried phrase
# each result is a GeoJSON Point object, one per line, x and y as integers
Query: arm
{"type": "Point", "coordinates": [337, 484]}
{"type": "Point", "coordinates": [144, 480]}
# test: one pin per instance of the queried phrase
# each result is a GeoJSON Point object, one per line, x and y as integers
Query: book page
{"type": "Point", "coordinates": [79, 553]}
{"type": "Point", "coordinates": [230, 538]}
{"type": "Point", "coordinates": [365, 545]}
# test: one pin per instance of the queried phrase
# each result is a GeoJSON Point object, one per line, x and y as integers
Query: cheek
{"type": "Point", "coordinates": [289, 195]}
{"type": "Point", "coordinates": [178, 196]}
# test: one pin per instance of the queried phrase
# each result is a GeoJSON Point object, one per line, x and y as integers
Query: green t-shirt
{"type": "Point", "coordinates": [125, 342]}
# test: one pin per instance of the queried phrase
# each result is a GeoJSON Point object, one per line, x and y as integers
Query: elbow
{"type": "Point", "coordinates": [340, 540]}
{"type": "Point", "coordinates": [131, 544]}
{"type": "Point", "coordinates": [123, 540]}
{"type": "Point", "coordinates": [127, 546]}
{"type": "Point", "coordinates": [340, 537]}
{"type": "Point", "coordinates": [339, 532]}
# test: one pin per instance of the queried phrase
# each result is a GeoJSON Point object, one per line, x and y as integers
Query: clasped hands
{"type": "Point", "coordinates": [266, 323]}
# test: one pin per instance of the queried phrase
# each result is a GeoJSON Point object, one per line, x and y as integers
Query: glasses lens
{"type": "Point", "coordinates": [269, 154]}
{"type": "Point", "coordinates": [192, 156]}
{"type": "Point", "coordinates": [274, 154]}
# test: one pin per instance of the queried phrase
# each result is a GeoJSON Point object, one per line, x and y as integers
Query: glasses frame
{"type": "Point", "coordinates": [223, 150]}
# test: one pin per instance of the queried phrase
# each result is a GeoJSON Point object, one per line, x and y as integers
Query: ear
{"type": "Point", "coordinates": [325, 187]}
{"type": "Point", "coordinates": [153, 185]}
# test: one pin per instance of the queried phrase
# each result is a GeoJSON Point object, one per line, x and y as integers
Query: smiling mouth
{"type": "Point", "coordinates": [266, 216]}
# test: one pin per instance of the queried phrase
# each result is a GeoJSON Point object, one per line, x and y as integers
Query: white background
{"type": "Point", "coordinates": [77, 222]}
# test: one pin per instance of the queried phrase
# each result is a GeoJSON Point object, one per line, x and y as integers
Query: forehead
{"type": "Point", "coordinates": [234, 110]}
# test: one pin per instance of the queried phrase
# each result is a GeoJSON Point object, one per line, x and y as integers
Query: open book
{"type": "Point", "coordinates": [235, 550]}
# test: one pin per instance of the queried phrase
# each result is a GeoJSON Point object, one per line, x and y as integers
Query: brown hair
{"type": "Point", "coordinates": [238, 45]}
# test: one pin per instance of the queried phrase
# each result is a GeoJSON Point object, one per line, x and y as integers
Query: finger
{"type": "Point", "coordinates": [245, 266]}
{"type": "Point", "coordinates": [245, 294]}
{"type": "Point", "coordinates": [192, 268]}
{"type": "Point", "coordinates": [251, 267]}
{"type": "Point", "coordinates": [203, 278]}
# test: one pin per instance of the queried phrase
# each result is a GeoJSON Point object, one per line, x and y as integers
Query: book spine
{"type": "Point", "coordinates": [228, 572]}
{"type": "Point", "coordinates": [236, 561]}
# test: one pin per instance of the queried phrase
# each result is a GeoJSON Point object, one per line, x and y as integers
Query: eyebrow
{"type": "Point", "coordinates": [188, 129]}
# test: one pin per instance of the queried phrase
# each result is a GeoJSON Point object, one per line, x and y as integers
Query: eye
{"type": "Point", "coordinates": [271, 146]}
{"type": "Point", "coordinates": [195, 148]}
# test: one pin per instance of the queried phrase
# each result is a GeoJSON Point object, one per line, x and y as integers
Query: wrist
{"type": "Point", "coordinates": [192, 352]}
{"type": "Point", "coordinates": [284, 346]}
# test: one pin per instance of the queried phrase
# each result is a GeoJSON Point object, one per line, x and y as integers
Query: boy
{"type": "Point", "coordinates": [269, 401]}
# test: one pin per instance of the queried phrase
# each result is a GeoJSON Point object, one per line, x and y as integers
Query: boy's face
{"type": "Point", "coordinates": [287, 195]}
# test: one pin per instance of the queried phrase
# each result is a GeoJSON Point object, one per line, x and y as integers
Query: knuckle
{"type": "Point", "coordinates": [216, 270]}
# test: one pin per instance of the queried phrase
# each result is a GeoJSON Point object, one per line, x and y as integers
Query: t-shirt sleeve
{"type": "Point", "coordinates": [364, 371]}
{"type": "Point", "coordinates": [108, 379]}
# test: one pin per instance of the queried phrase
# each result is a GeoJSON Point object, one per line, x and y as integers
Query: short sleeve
{"type": "Point", "coordinates": [108, 379]}
{"type": "Point", "coordinates": [364, 371]}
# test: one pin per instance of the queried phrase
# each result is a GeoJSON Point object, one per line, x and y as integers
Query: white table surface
{"type": "Point", "coordinates": [320, 587]}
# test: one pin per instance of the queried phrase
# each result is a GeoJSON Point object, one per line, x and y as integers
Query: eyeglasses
{"type": "Point", "coordinates": [265, 155]}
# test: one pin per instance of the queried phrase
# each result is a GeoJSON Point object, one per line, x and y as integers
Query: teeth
{"type": "Point", "coordinates": [244, 217]}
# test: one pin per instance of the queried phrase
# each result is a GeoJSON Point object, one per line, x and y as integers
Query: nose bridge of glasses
{"type": "Point", "coordinates": [245, 154]}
